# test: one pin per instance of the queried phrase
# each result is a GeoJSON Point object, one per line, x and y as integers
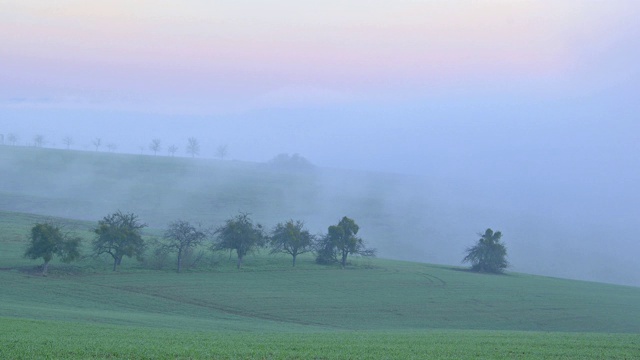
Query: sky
{"type": "Point", "coordinates": [535, 99]}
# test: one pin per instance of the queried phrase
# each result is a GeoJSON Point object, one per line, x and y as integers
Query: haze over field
{"type": "Point", "coordinates": [520, 116]}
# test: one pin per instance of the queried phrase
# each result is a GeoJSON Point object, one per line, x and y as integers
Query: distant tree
{"type": "Point", "coordinates": [12, 139]}
{"type": "Point", "coordinates": [97, 142]}
{"type": "Point", "coordinates": [172, 150]}
{"type": "Point", "coordinates": [222, 152]}
{"type": "Point", "coordinates": [182, 237]}
{"type": "Point", "coordinates": [38, 140]}
{"type": "Point", "coordinates": [155, 146]}
{"type": "Point", "coordinates": [341, 241]}
{"type": "Point", "coordinates": [112, 147]}
{"type": "Point", "coordinates": [291, 162]}
{"type": "Point", "coordinates": [326, 252]}
{"type": "Point", "coordinates": [47, 240]}
{"type": "Point", "coordinates": [193, 146]}
{"type": "Point", "coordinates": [67, 141]}
{"type": "Point", "coordinates": [291, 238]}
{"type": "Point", "coordinates": [240, 234]}
{"type": "Point", "coordinates": [119, 235]}
{"type": "Point", "coordinates": [489, 254]}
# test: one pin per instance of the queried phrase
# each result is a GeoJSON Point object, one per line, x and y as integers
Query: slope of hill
{"type": "Point", "coordinates": [407, 218]}
{"type": "Point", "coordinates": [375, 308]}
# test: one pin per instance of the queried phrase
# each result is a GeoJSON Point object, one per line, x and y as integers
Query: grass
{"type": "Point", "coordinates": [268, 310]}
{"type": "Point", "coordinates": [61, 340]}
{"type": "Point", "coordinates": [375, 308]}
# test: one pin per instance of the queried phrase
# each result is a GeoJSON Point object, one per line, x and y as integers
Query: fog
{"type": "Point", "coordinates": [563, 194]}
{"type": "Point", "coordinates": [518, 117]}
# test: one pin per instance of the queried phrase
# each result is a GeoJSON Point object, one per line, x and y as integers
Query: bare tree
{"type": "Point", "coordinates": [155, 146]}
{"type": "Point", "coordinates": [222, 151]}
{"type": "Point", "coordinates": [172, 150]}
{"type": "Point", "coordinates": [111, 147]}
{"type": "Point", "coordinates": [97, 142]}
{"type": "Point", "coordinates": [38, 140]}
{"type": "Point", "coordinates": [67, 141]}
{"type": "Point", "coordinates": [193, 147]}
{"type": "Point", "coordinates": [12, 139]}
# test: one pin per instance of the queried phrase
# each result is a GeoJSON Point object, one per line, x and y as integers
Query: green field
{"type": "Point", "coordinates": [375, 308]}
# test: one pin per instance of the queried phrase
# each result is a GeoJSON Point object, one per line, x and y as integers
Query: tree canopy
{"type": "Point", "coordinates": [182, 237]}
{"type": "Point", "coordinates": [291, 238]}
{"type": "Point", "coordinates": [489, 254]}
{"type": "Point", "coordinates": [119, 235]}
{"type": "Point", "coordinates": [240, 234]}
{"type": "Point", "coordinates": [341, 241]}
{"type": "Point", "coordinates": [47, 240]}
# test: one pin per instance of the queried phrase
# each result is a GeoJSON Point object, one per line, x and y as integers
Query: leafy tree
{"type": "Point", "coordinates": [193, 147]}
{"type": "Point", "coordinates": [222, 151]}
{"type": "Point", "coordinates": [240, 234]}
{"type": "Point", "coordinates": [47, 240]}
{"type": "Point", "coordinates": [172, 150]}
{"type": "Point", "coordinates": [291, 238]}
{"type": "Point", "coordinates": [12, 139]}
{"type": "Point", "coordinates": [341, 241]}
{"type": "Point", "coordinates": [67, 141]}
{"type": "Point", "coordinates": [182, 237]}
{"type": "Point", "coordinates": [38, 140]}
{"type": "Point", "coordinates": [155, 146]}
{"type": "Point", "coordinates": [489, 254]}
{"type": "Point", "coordinates": [119, 235]}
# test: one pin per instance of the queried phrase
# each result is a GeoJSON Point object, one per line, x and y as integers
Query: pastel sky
{"type": "Point", "coordinates": [217, 57]}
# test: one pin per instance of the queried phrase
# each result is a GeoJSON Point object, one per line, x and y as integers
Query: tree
{"type": "Point", "coordinates": [193, 146]}
{"type": "Point", "coordinates": [97, 142]}
{"type": "Point", "coordinates": [182, 237]}
{"type": "Point", "coordinates": [341, 240]}
{"type": "Point", "coordinates": [67, 141]}
{"type": "Point", "coordinates": [12, 139]}
{"type": "Point", "coordinates": [47, 240]}
{"type": "Point", "coordinates": [155, 146]}
{"type": "Point", "coordinates": [38, 141]}
{"type": "Point", "coordinates": [222, 152]}
{"type": "Point", "coordinates": [291, 238]}
{"type": "Point", "coordinates": [119, 235]}
{"type": "Point", "coordinates": [239, 234]}
{"type": "Point", "coordinates": [489, 254]}
{"type": "Point", "coordinates": [172, 150]}
{"type": "Point", "coordinates": [112, 147]}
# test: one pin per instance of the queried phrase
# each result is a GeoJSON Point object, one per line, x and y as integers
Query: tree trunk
{"type": "Point", "coordinates": [45, 268]}
{"type": "Point", "coordinates": [344, 259]}
{"type": "Point", "coordinates": [179, 260]}
{"type": "Point", "coordinates": [239, 261]}
{"type": "Point", "coordinates": [294, 260]}
{"type": "Point", "coordinates": [115, 263]}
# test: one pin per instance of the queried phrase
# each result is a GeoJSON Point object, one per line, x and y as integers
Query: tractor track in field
{"type": "Point", "coordinates": [219, 307]}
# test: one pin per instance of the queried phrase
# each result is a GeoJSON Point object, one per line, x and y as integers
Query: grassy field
{"type": "Point", "coordinates": [375, 308]}
{"type": "Point", "coordinates": [30, 339]}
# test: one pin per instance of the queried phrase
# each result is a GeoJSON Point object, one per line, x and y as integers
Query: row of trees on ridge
{"type": "Point", "coordinates": [119, 235]}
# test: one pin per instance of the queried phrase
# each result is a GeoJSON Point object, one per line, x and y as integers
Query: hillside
{"type": "Point", "coordinates": [268, 294]}
{"type": "Point", "coordinates": [373, 309]}
{"type": "Point", "coordinates": [422, 219]}
{"type": "Point", "coordinates": [89, 185]}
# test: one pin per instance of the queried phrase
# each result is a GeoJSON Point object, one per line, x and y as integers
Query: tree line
{"type": "Point", "coordinates": [119, 235]}
{"type": "Point", "coordinates": [192, 147]}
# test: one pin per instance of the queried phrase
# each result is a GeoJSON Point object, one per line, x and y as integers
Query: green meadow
{"type": "Point", "coordinates": [373, 309]}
